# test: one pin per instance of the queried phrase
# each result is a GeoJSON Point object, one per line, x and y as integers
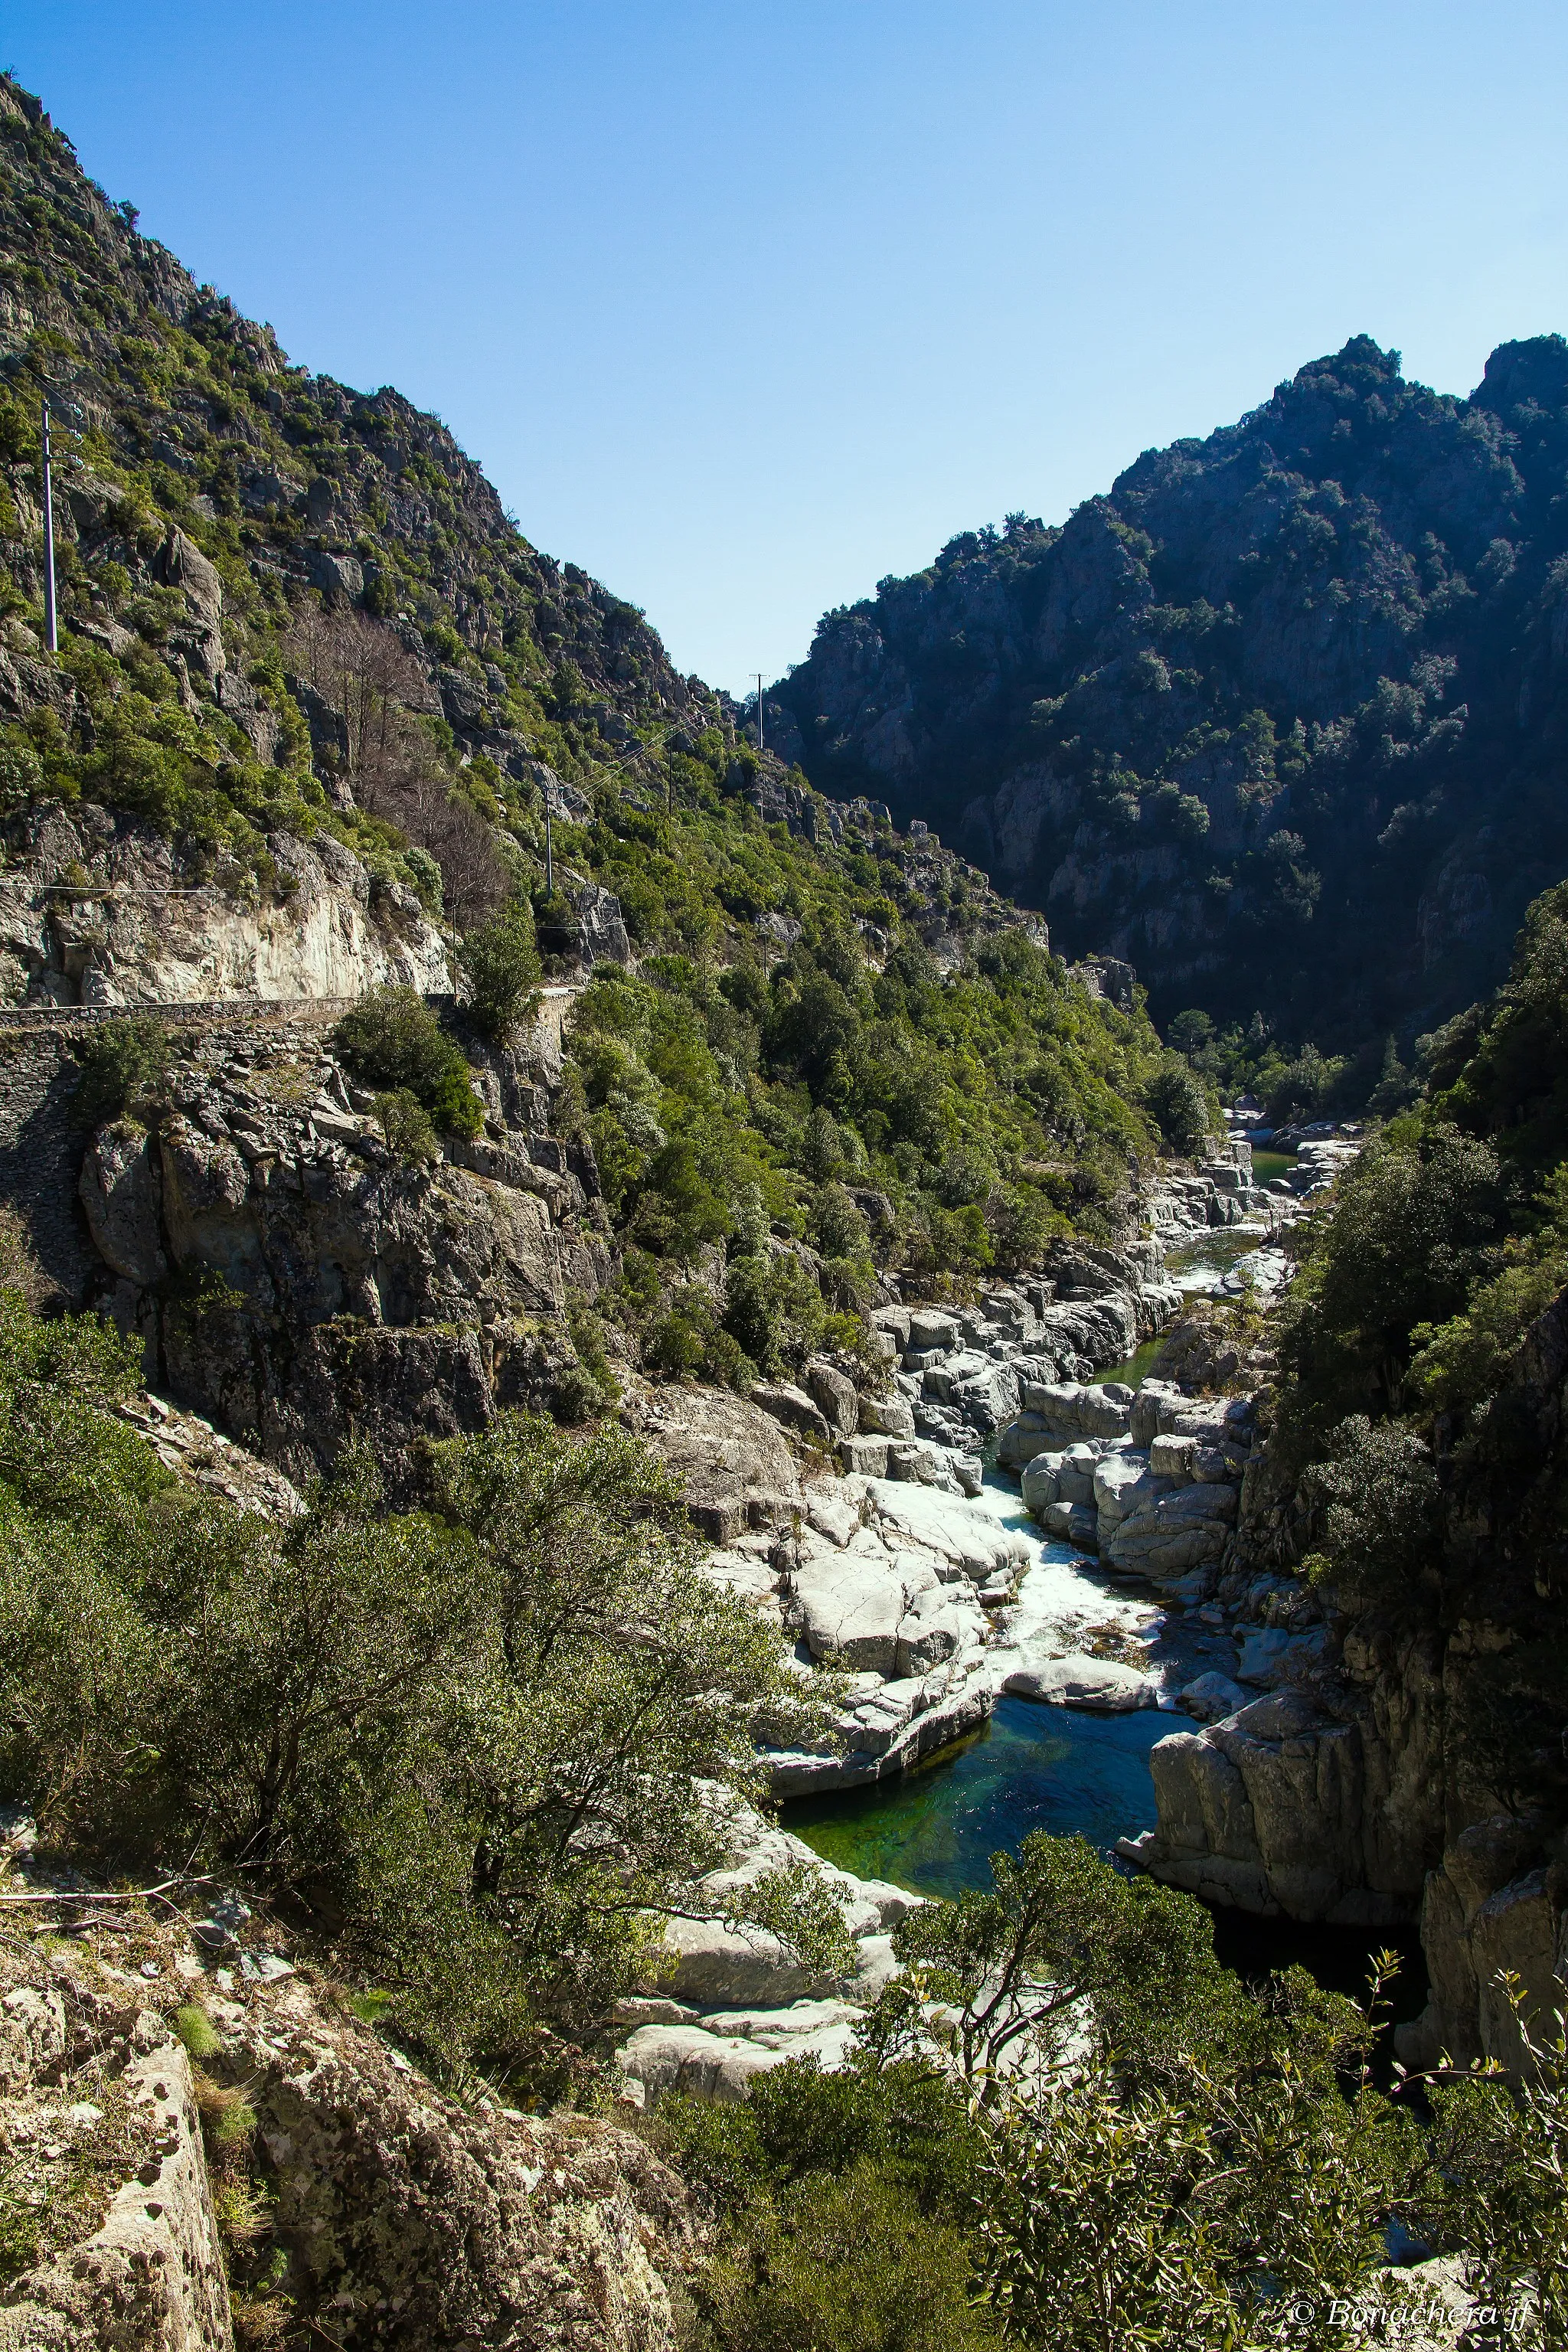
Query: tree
{"type": "Point", "coordinates": [501, 959]}
{"type": "Point", "coordinates": [1177, 1100]}
{"type": "Point", "coordinates": [392, 1040]}
{"type": "Point", "coordinates": [1412, 1224]}
{"type": "Point", "coordinates": [1059, 1941]}
{"type": "Point", "coordinates": [363, 669]}
{"type": "Point", "coordinates": [621, 1695]}
{"type": "Point", "coordinates": [1191, 1031]}
{"type": "Point", "coordinates": [124, 1069]}
{"type": "Point", "coordinates": [773, 1309]}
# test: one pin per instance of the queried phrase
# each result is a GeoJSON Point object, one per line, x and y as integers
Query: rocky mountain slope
{"type": "Point", "coordinates": [1279, 718]}
{"type": "Point", "coordinates": [281, 477]}
{"type": "Point", "coordinates": [193, 2126]}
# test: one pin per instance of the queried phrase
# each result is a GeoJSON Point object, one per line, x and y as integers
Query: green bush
{"type": "Point", "coordinates": [124, 1069]}
{"type": "Point", "coordinates": [392, 1040]}
{"type": "Point", "coordinates": [773, 1310]}
{"type": "Point", "coordinates": [577, 1396]}
{"type": "Point", "coordinates": [837, 1227]}
{"type": "Point", "coordinates": [689, 1341]}
{"type": "Point", "coordinates": [21, 773]}
{"type": "Point", "coordinates": [1419, 1218]}
{"type": "Point", "coordinates": [1502, 1070]}
{"type": "Point", "coordinates": [405, 1124]}
{"type": "Point", "coordinates": [847, 2263]}
{"type": "Point", "coordinates": [426, 879]}
{"type": "Point", "coordinates": [391, 1714]}
{"type": "Point", "coordinates": [501, 959]}
{"type": "Point", "coordinates": [1382, 1540]}
{"type": "Point", "coordinates": [1304, 1088]}
{"type": "Point", "coordinates": [1178, 1102]}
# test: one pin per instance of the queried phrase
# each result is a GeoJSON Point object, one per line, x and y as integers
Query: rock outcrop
{"type": "Point", "coordinates": [731, 2004]}
{"type": "Point", "coordinates": [96, 911]}
{"type": "Point", "coordinates": [288, 1275]}
{"type": "Point", "coordinates": [400, 2217]}
{"type": "Point", "coordinates": [1151, 1480]}
{"type": "Point", "coordinates": [1354, 1791]}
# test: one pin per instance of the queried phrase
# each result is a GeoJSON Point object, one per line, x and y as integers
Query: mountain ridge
{"type": "Point", "coordinates": [1279, 718]}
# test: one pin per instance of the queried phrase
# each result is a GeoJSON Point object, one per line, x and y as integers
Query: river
{"type": "Point", "coordinates": [1034, 1767]}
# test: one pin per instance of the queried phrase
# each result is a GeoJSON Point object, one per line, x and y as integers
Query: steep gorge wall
{"type": "Point", "coordinates": [1279, 718]}
{"type": "Point", "coordinates": [286, 1273]}
{"type": "Point", "coordinates": [1356, 1790]}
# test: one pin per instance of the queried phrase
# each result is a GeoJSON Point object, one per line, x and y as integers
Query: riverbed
{"type": "Point", "coordinates": [1034, 1767]}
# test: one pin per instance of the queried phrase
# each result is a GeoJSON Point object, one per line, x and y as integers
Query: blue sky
{"type": "Point", "coordinates": [743, 307]}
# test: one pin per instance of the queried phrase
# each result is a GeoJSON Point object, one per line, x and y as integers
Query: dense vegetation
{"type": "Point", "coordinates": [946, 1124]}
{"type": "Point", "coordinates": [1418, 1345]}
{"type": "Point", "coordinates": [487, 1739]}
{"type": "Point", "coordinates": [1280, 718]}
{"type": "Point", "coordinates": [287, 607]}
{"type": "Point", "coordinates": [1098, 2138]}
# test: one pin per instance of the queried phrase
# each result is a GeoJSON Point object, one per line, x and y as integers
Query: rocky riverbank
{"type": "Point", "coordinates": [893, 1561]}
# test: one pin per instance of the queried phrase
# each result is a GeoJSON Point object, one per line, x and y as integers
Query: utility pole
{"type": "Point", "coordinates": [758, 677]}
{"type": "Point", "coordinates": [51, 627]}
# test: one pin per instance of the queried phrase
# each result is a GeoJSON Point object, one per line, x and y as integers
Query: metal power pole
{"type": "Point", "coordinates": [758, 710]}
{"type": "Point", "coordinates": [51, 627]}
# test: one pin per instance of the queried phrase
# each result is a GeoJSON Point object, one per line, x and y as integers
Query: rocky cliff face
{"type": "Point", "coordinates": [355, 2190]}
{"type": "Point", "coordinates": [1274, 719]}
{"type": "Point", "coordinates": [94, 909]}
{"type": "Point", "coordinates": [291, 1276]}
{"type": "Point", "coordinates": [1355, 1789]}
{"type": "Point", "coordinates": [288, 1275]}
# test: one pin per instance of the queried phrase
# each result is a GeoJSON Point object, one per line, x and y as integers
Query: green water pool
{"type": "Point", "coordinates": [1032, 1768]}
{"type": "Point", "coordinates": [1136, 1367]}
{"type": "Point", "coordinates": [1200, 1262]}
{"type": "Point", "coordinates": [1266, 1165]}
{"type": "Point", "coordinates": [1045, 1767]}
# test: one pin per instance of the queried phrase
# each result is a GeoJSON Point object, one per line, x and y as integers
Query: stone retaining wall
{"type": "Point", "coordinates": [41, 1137]}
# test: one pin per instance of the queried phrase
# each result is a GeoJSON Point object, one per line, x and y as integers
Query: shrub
{"type": "Point", "coordinates": [576, 1395]}
{"type": "Point", "coordinates": [124, 1069]}
{"type": "Point", "coordinates": [837, 1227]}
{"type": "Point", "coordinates": [501, 960]}
{"type": "Point", "coordinates": [688, 1341]}
{"type": "Point", "coordinates": [405, 1124]}
{"type": "Point", "coordinates": [426, 879]}
{"type": "Point", "coordinates": [1176, 1099]}
{"type": "Point", "coordinates": [1412, 1226]}
{"type": "Point", "coordinates": [394, 1713]}
{"type": "Point", "coordinates": [392, 1040]}
{"type": "Point", "coordinates": [773, 1309]}
{"type": "Point", "coordinates": [1303, 1088]}
{"type": "Point", "coordinates": [847, 2265]}
{"type": "Point", "coordinates": [392, 1037]}
{"type": "Point", "coordinates": [21, 774]}
{"type": "Point", "coordinates": [454, 1105]}
{"type": "Point", "coordinates": [1383, 1538]}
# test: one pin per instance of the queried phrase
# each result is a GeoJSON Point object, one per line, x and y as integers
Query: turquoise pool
{"type": "Point", "coordinates": [1032, 1768]}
